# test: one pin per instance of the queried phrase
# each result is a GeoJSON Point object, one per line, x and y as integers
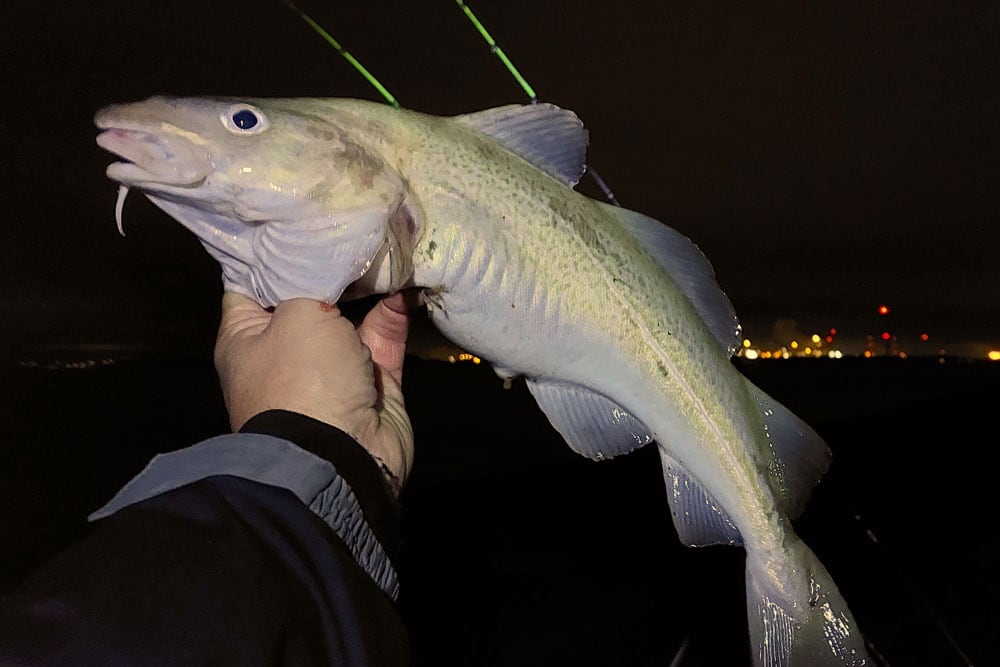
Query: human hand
{"type": "Point", "coordinates": [307, 357]}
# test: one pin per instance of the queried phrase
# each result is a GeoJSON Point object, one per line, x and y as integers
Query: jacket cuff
{"type": "Point", "coordinates": [352, 461]}
{"type": "Point", "coordinates": [325, 468]}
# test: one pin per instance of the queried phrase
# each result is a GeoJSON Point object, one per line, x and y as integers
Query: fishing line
{"type": "Point", "coordinates": [499, 53]}
{"type": "Point", "coordinates": [889, 559]}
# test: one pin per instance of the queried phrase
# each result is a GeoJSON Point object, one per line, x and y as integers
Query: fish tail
{"type": "Point", "coordinates": [800, 625]}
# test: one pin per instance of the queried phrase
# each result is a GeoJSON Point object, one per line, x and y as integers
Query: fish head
{"type": "Point", "coordinates": [287, 195]}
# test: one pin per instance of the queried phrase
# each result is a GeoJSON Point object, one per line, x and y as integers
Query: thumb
{"type": "Point", "coordinates": [384, 330]}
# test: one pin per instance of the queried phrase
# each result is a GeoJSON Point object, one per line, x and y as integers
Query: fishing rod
{"type": "Point", "coordinates": [391, 99]}
{"type": "Point", "coordinates": [514, 72]}
{"type": "Point", "coordinates": [355, 63]}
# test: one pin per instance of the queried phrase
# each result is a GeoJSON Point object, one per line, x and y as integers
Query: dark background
{"type": "Point", "coordinates": [828, 157]}
{"type": "Point", "coordinates": [517, 552]}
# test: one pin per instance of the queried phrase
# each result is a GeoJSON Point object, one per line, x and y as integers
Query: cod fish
{"type": "Point", "coordinates": [614, 320]}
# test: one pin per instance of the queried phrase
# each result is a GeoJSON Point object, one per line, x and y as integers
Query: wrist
{"type": "Point", "coordinates": [328, 442]}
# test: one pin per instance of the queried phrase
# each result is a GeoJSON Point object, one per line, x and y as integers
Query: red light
{"type": "Point", "coordinates": [924, 336]}
{"type": "Point", "coordinates": [833, 331]}
{"type": "Point", "coordinates": [829, 339]}
{"type": "Point", "coordinates": [885, 335]}
{"type": "Point", "coordinates": [883, 310]}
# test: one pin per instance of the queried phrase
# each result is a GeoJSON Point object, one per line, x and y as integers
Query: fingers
{"type": "Point", "coordinates": [384, 331]}
{"type": "Point", "coordinates": [397, 303]}
{"type": "Point", "coordinates": [305, 356]}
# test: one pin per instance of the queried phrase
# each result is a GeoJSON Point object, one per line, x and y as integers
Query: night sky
{"type": "Point", "coordinates": [827, 157]}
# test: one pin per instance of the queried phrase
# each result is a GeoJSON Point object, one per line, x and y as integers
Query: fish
{"type": "Point", "coordinates": [614, 320]}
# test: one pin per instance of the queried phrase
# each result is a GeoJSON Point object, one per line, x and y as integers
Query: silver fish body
{"type": "Point", "coordinates": [614, 320]}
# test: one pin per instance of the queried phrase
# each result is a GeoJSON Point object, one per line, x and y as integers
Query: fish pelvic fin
{"type": "Point", "coordinates": [813, 628]}
{"type": "Point", "coordinates": [592, 424]}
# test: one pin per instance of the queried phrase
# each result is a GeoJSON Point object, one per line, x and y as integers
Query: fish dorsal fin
{"type": "Point", "coordinates": [690, 269]}
{"type": "Point", "coordinates": [592, 425]}
{"type": "Point", "coordinates": [551, 138]}
{"type": "Point", "coordinates": [698, 518]}
{"type": "Point", "coordinates": [801, 455]}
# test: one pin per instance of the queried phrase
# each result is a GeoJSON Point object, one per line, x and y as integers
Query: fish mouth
{"type": "Point", "coordinates": [152, 161]}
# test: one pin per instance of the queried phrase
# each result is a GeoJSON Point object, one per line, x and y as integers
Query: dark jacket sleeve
{"type": "Point", "coordinates": [272, 546]}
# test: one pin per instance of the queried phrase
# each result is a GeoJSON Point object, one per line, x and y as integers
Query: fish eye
{"type": "Point", "coordinates": [244, 119]}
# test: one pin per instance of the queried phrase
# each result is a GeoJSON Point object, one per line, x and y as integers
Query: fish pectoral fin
{"type": "Point", "coordinates": [801, 454]}
{"type": "Point", "coordinates": [592, 424]}
{"type": "Point", "coordinates": [552, 139]}
{"type": "Point", "coordinates": [698, 518]}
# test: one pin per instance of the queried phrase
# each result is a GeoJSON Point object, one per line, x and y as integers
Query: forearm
{"type": "Point", "coordinates": [245, 549]}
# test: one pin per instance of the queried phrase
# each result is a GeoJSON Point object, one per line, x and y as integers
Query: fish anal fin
{"type": "Point", "coordinates": [592, 424]}
{"type": "Point", "coordinates": [700, 521]}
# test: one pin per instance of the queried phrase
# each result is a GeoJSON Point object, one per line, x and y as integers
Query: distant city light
{"type": "Point", "coordinates": [816, 339]}
{"type": "Point", "coordinates": [794, 344]}
{"type": "Point", "coordinates": [993, 355]}
{"type": "Point", "coordinates": [883, 309]}
{"type": "Point", "coordinates": [886, 335]}
{"type": "Point", "coordinates": [750, 354]}
{"type": "Point", "coordinates": [924, 337]}
{"type": "Point", "coordinates": [464, 356]}
{"type": "Point", "coordinates": [833, 331]}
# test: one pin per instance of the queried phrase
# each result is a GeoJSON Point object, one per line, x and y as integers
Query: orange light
{"type": "Point", "coordinates": [993, 355]}
{"type": "Point", "coordinates": [883, 310]}
{"type": "Point", "coordinates": [886, 335]}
